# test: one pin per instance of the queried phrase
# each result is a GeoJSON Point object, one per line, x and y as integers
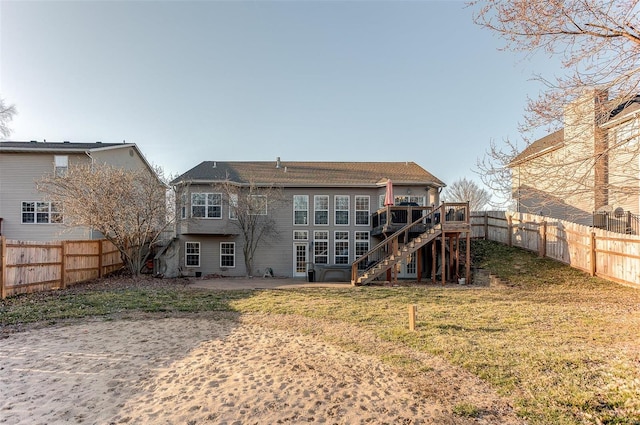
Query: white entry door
{"type": "Point", "coordinates": [300, 258]}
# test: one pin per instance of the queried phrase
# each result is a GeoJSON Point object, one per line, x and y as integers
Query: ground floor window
{"type": "Point", "coordinates": [341, 247]}
{"type": "Point", "coordinates": [227, 254]}
{"type": "Point", "coordinates": [192, 250]}
{"type": "Point", "coordinates": [362, 245]}
{"type": "Point", "coordinates": [321, 247]}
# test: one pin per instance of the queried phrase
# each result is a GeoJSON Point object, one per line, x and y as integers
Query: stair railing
{"type": "Point", "coordinates": [390, 246]}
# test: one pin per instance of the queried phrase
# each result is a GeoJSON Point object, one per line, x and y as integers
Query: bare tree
{"type": "Point", "coordinates": [598, 43]}
{"type": "Point", "coordinates": [128, 207]}
{"type": "Point", "coordinates": [6, 115]}
{"type": "Point", "coordinates": [463, 190]}
{"type": "Point", "coordinates": [252, 211]}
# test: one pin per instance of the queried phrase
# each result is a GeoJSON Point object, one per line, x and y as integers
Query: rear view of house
{"type": "Point", "coordinates": [24, 213]}
{"type": "Point", "coordinates": [319, 213]}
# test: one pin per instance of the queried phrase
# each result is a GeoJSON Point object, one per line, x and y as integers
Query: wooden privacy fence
{"type": "Point", "coordinates": [610, 255]}
{"type": "Point", "coordinates": [27, 267]}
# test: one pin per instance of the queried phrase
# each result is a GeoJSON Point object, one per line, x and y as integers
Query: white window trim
{"type": "Point", "coordinates": [50, 212]}
{"type": "Point", "coordinates": [356, 240]}
{"type": "Point", "coordinates": [316, 209]}
{"type": "Point", "coordinates": [233, 206]}
{"type": "Point", "coordinates": [206, 205]}
{"type": "Point", "coordinates": [335, 250]}
{"type": "Point", "coordinates": [348, 210]}
{"type": "Point", "coordinates": [187, 253]}
{"type": "Point", "coordinates": [306, 197]}
{"type": "Point", "coordinates": [227, 255]}
{"type": "Point", "coordinates": [303, 233]}
{"type": "Point", "coordinates": [183, 207]}
{"type": "Point", "coordinates": [355, 207]}
{"type": "Point", "coordinates": [316, 240]}
{"type": "Point", "coordinates": [60, 164]}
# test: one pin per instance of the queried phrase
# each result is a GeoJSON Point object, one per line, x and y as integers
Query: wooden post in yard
{"type": "Point", "coordinates": [509, 230]}
{"type": "Point", "coordinates": [412, 317]}
{"type": "Point", "coordinates": [3, 267]}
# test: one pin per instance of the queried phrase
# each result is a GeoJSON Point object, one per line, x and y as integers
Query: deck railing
{"type": "Point", "coordinates": [616, 222]}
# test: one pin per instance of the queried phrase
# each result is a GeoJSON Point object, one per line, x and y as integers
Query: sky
{"type": "Point", "coordinates": [193, 81]}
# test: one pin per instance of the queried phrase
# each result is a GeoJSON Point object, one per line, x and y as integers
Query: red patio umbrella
{"type": "Point", "coordinates": [388, 196]}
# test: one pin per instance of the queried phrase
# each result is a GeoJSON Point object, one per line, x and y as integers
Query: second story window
{"type": "Point", "coordinates": [183, 205]}
{"type": "Point", "coordinates": [321, 210]}
{"type": "Point", "coordinates": [233, 206]}
{"type": "Point", "coordinates": [362, 210]}
{"type": "Point", "coordinates": [301, 209]}
{"type": "Point", "coordinates": [342, 210]}
{"type": "Point", "coordinates": [61, 164]}
{"type": "Point", "coordinates": [206, 205]}
{"type": "Point", "coordinates": [258, 204]}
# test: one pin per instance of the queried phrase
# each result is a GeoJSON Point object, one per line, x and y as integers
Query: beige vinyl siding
{"type": "Point", "coordinates": [126, 157]}
{"type": "Point", "coordinates": [558, 184]}
{"type": "Point", "coordinates": [18, 175]}
{"type": "Point", "coordinates": [624, 166]}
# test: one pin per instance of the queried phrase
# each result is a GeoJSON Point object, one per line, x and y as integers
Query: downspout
{"type": "Point", "coordinates": [88, 153]}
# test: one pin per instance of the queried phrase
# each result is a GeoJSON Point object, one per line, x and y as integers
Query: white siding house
{"type": "Point", "coordinates": [24, 215]}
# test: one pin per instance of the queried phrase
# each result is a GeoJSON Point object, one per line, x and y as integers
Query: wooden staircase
{"type": "Point", "coordinates": [396, 248]}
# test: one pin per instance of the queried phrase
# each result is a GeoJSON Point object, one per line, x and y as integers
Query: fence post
{"type": "Point", "coordinates": [509, 230]}
{"type": "Point", "coordinates": [486, 225]}
{"type": "Point", "coordinates": [593, 254]}
{"type": "Point", "coordinates": [63, 265]}
{"type": "Point", "coordinates": [542, 248]}
{"type": "Point", "coordinates": [3, 267]}
{"type": "Point", "coordinates": [100, 258]}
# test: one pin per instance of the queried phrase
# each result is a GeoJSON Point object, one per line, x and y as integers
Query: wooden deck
{"type": "Point", "coordinates": [405, 230]}
{"type": "Point", "coordinates": [390, 219]}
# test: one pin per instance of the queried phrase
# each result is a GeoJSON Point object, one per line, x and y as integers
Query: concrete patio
{"type": "Point", "coordinates": [261, 283]}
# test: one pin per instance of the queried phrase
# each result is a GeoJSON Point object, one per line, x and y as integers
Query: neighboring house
{"type": "Point", "coordinates": [589, 165]}
{"type": "Point", "coordinates": [323, 214]}
{"type": "Point", "coordinates": [24, 214]}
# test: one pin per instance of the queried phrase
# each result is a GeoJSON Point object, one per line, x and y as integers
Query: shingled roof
{"type": "Point", "coordinates": [293, 173]}
{"type": "Point", "coordinates": [541, 146]}
{"type": "Point", "coordinates": [57, 146]}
